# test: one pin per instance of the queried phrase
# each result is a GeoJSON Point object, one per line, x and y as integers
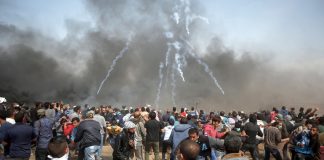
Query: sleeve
{"type": "Point", "coordinates": [216, 143]}
{"type": "Point", "coordinates": [37, 127]}
{"type": "Point", "coordinates": [78, 134]}
{"type": "Point", "coordinates": [143, 130]}
{"type": "Point", "coordinates": [219, 135]}
{"type": "Point", "coordinates": [278, 136]}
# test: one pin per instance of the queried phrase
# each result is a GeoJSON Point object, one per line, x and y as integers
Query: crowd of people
{"type": "Point", "coordinates": [59, 131]}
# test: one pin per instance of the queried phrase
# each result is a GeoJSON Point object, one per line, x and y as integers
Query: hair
{"type": "Point", "coordinates": [301, 109]}
{"type": "Point", "coordinates": [75, 119]}
{"type": "Point", "coordinates": [47, 105]}
{"type": "Point", "coordinates": [182, 110]}
{"type": "Point", "coordinates": [232, 144]}
{"type": "Point", "coordinates": [216, 119]}
{"type": "Point", "coordinates": [274, 124]}
{"type": "Point", "coordinates": [142, 109]}
{"type": "Point", "coordinates": [189, 149]}
{"type": "Point", "coordinates": [184, 121]}
{"type": "Point", "coordinates": [152, 115]}
{"type": "Point", "coordinates": [76, 108]}
{"type": "Point", "coordinates": [148, 109]}
{"type": "Point", "coordinates": [137, 114]}
{"type": "Point", "coordinates": [3, 114]}
{"type": "Point", "coordinates": [321, 120]}
{"type": "Point", "coordinates": [192, 108]}
{"type": "Point", "coordinates": [189, 116]}
{"type": "Point", "coordinates": [97, 111]}
{"type": "Point", "coordinates": [171, 122]}
{"type": "Point", "coordinates": [174, 109]}
{"type": "Point", "coordinates": [253, 118]}
{"type": "Point", "coordinates": [222, 113]}
{"type": "Point", "coordinates": [19, 117]}
{"type": "Point", "coordinates": [57, 147]}
{"type": "Point", "coordinates": [193, 131]}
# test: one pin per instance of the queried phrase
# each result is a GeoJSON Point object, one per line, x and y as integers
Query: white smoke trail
{"type": "Point", "coordinates": [206, 68]}
{"type": "Point", "coordinates": [179, 66]}
{"type": "Point", "coordinates": [177, 57]}
{"type": "Point", "coordinates": [157, 100]}
{"type": "Point", "coordinates": [111, 68]}
{"type": "Point", "coordinates": [173, 85]}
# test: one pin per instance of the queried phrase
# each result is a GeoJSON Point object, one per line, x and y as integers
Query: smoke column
{"type": "Point", "coordinates": [111, 68]}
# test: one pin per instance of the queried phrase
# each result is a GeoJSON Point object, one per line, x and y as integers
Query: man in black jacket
{"type": "Point", "coordinates": [125, 142]}
{"type": "Point", "coordinates": [153, 129]}
{"type": "Point", "coordinates": [89, 137]}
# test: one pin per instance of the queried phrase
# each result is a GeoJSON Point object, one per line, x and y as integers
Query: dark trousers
{"type": "Point", "coordinates": [275, 153]}
{"type": "Point", "coordinates": [41, 153]}
{"type": "Point", "coordinates": [253, 149]}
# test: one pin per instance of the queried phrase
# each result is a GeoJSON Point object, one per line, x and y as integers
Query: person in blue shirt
{"type": "Point", "coordinates": [20, 136]}
{"type": "Point", "coordinates": [4, 127]}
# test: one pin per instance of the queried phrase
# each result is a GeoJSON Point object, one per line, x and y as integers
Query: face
{"type": "Point", "coordinates": [314, 131]}
{"type": "Point", "coordinates": [131, 130]}
{"type": "Point", "coordinates": [75, 123]}
{"type": "Point", "coordinates": [193, 137]}
{"type": "Point", "coordinates": [215, 123]}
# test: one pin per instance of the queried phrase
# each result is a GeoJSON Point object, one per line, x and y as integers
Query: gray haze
{"type": "Point", "coordinates": [36, 67]}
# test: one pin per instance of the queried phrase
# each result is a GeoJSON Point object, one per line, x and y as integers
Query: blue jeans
{"type": "Point", "coordinates": [91, 152]}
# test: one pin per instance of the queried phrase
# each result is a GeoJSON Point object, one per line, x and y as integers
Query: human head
{"type": "Point", "coordinates": [97, 110]}
{"type": "Point", "coordinates": [75, 121]}
{"type": "Point", "coordinates": [41, 113]}
{"type": "Point", "coordinates": [216, 120]}
{"type": "Point", "coordinates": [77, 109]}
{"type": "Point", "coordinates": [184, 121]}
{"type": "Point", "coordinates": [232, 144]}
{"type": "Point", "coordinates": [253, 118]}
{"type": "Point", "coordinates": [314, 130]}
{"type": "Point", "coordinates": [130, 126]}
{"type": "Point", "coordinates": [58, 147]}
{"type": "Point", "coordinates": [90, 114]}
{"type": "Point", "coordinates": [137, 114]}
{"type": "Point", "coordinates": [19, 117]}
{"type": "Point", "coordinates": [152, 115]}
{"type": "Point", "coordinates": [189, 150]}
{"type": "Point", "coordinates": [193, 134]}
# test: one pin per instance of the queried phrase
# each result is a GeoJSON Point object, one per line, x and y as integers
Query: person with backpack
{"type": "Point", "coordinates": [166, 142]}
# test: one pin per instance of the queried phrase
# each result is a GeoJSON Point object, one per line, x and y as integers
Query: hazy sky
{"type": "Point", "coordinates": [282, 28]}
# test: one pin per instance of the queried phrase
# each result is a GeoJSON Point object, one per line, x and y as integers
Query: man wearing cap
{"type": "Point", "coordinates": [88, 136]}
{"type": "Point", "coordinates": [43, 130]}
{"type": "Point", "coordinates": [125, 142]}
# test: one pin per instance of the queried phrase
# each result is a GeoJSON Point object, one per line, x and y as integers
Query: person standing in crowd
{"type": "Point", "coordinates": [212, 129]}
{"type": "Point", "coordinates": [20, 136]}
{"type": "Point", "coordinates": [272, 137]}
{"type": "Point", "coordinates": [43, 130]}
{"type": "Point", "coordinates": [179, 133]}
{"type": "Point", "coordinates": [49, 110]}
{"type": "Point", "coordinates": [153, 129]}
{"type": "Point", "coordinates": [76, 112]}
{"type": "Point", "coordinates": [97, 117]}
{"type": "Point", "coordinates": [140, 136]}
{"type": "Point", "coordinates": [206, 143]}
{"type": "Point", "coordinates": [58, 148]}
{"type": "Point", "coordinates": [4, 126]}
{"type": "Point", "coordinates": [11, 115]}
{"type": "Point", "coordinates": [251, 130]}
{"type": "Point", "coordinates": [125, 142]}
{"type": "Point", "coordinates": [166, 142]}
{"type": "Point", "coordinates": [188, 150]}
{"type": "Point", "coordinates": [89, 137]}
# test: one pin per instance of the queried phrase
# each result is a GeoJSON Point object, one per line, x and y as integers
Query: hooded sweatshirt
{"type": "Point", "coordinates": [179, 133]}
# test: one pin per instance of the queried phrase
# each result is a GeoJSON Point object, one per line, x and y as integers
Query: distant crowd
{"type": "Point", "coordinates": [60, 131]}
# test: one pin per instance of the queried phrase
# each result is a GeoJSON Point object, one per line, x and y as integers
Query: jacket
{"type": "Point", "coordinates": [88, 134]}
{"type": "Point", "coordinates": [140, 132]}
{"type": "Point", "coordinates": [122, 147]}
{"type": "Point", "coordinates": [179, 133]}
{"type": "Point", "coordinates": [43, 131]}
